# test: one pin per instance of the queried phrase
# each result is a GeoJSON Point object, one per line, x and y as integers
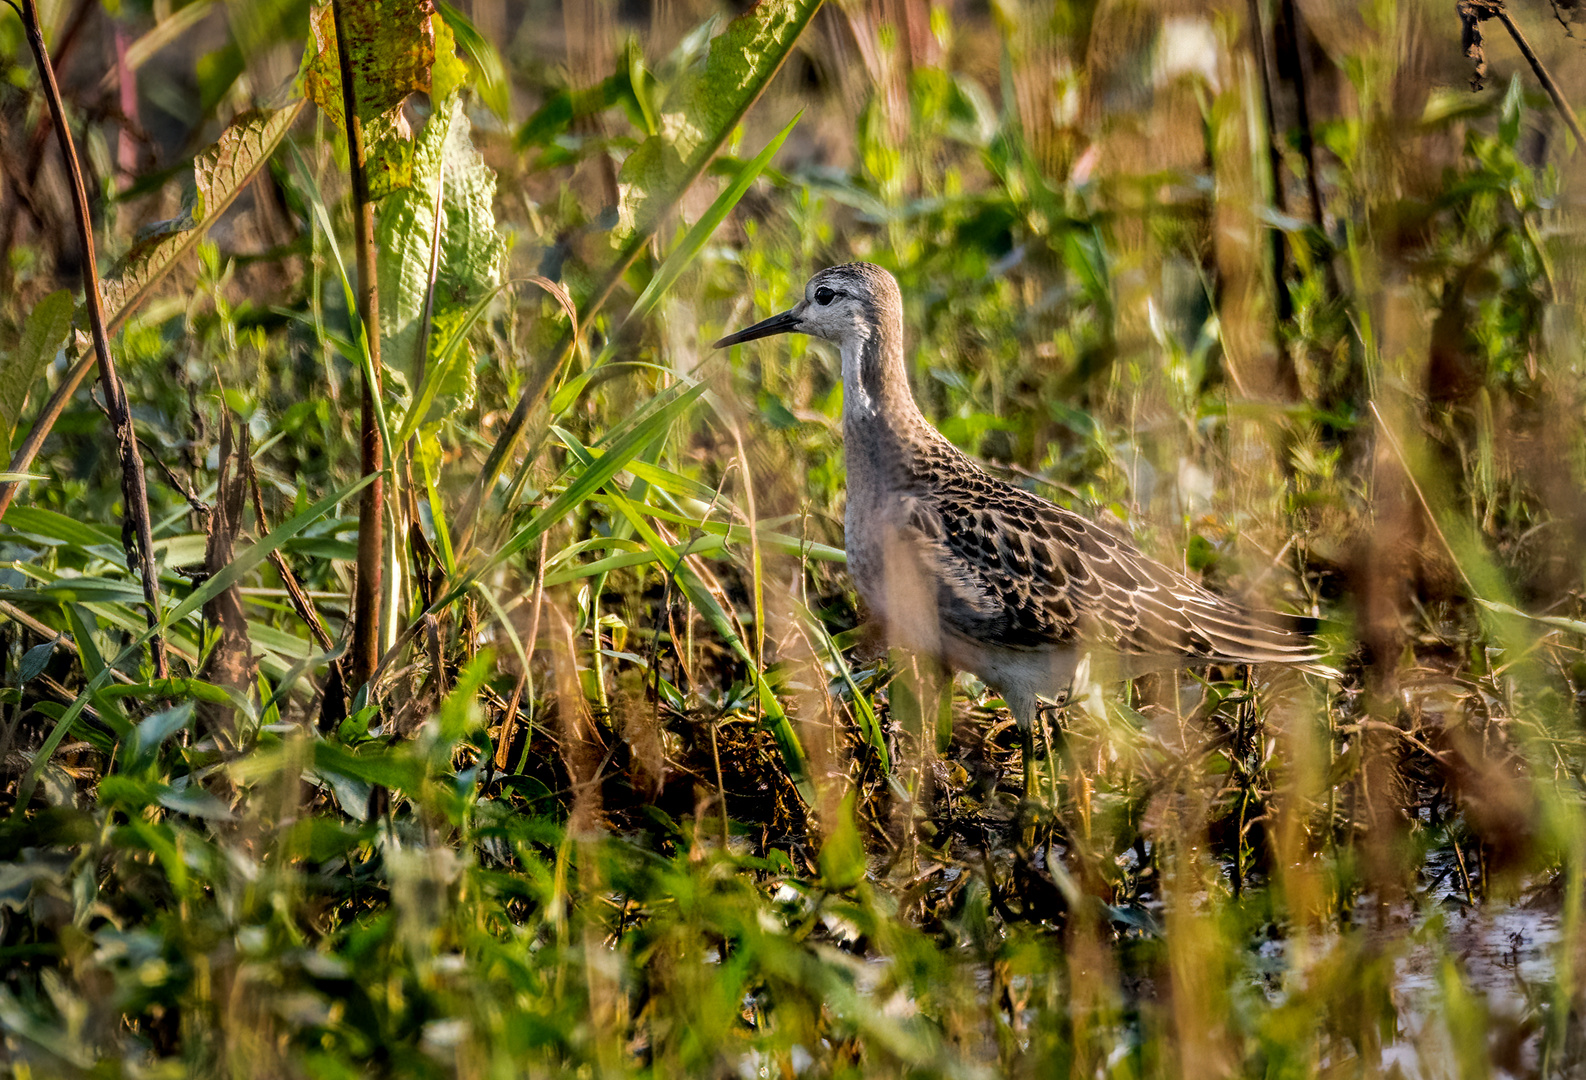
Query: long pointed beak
{"type": "Point", "coordinates": [776, 324]}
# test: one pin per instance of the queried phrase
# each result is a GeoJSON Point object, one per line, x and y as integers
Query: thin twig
{"type": "Point", "coordinates": [1278, 250]}
{"type": "Point", "coordinates": [177, 484]}
{"type": "Point", "coordinates": [48, 633]}
{"type": "Point", "coordinates": [1542, 74]}
{"type": "Point", "coordinates": [39, 139]}
{"type": "Point", "coordinates": [1472, 13]}
{"type": "Point", "coordinates": [139, 538]}
{"type": "Point", "coordinates": [22, 460]}
{"type": "Point", "coordinates": [510, 722]}
{"type": "Point", "coordinates": [294, 588]}
{"type": "Point", "coordinates": [1292, 42]}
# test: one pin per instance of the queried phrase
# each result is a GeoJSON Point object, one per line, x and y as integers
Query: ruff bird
{"type": "Point", "coordinates": [983, 575]}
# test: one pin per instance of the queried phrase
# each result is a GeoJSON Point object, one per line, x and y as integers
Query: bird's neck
{"type": "Point", "coordinates": [879, 413]}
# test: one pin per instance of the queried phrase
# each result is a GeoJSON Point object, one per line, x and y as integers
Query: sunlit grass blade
{"type": "Point", "coordinates": [435, 371]}
{"type": "Point", "coordinates": [588, 482]}
{"type": "Point", "coordinates": [776, 719]}
{"type": "Point", "coordinates": [704, 545]}
{"type": "Point", "coordinates": [491, 84]}
{"type": "Point", "coordinates": [692, 243]}
{"type": "Point", "coordinates": [358, 353]}
{"type": "Point", "coordinates": [864, 711]}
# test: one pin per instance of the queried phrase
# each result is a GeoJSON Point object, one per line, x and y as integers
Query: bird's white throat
{"type": "Point", "coordinates": [858, 403]}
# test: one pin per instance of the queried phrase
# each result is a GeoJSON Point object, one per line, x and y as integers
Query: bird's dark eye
{"type": "Point", "coordinates": [824, 296]}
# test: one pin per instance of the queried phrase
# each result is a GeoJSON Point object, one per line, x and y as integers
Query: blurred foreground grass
{"type": "Point", "coordinates": [633, 793]}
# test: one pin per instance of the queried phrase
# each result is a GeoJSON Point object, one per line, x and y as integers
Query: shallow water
{"type": "Point", "coordinates": [1504, 955]}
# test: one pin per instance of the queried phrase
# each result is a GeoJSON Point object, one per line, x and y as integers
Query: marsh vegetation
{"type": "Point", "coordinates": [503, 707]}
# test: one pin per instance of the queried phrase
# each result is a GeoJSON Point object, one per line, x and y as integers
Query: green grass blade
{"type": "Point", "coordinates": [436, 369]}
{"type": "Point", "coordinates": [864, 711]}
{"type": "Point", "coordinates": [589, 481]}
{"type": "Point", "coordinates": [776, 719]}
{"type": "Point", "coordinates": [694, 241]}
{"type": "Point", "coordinates": [222, 580]}
{"type": "Point", "coordinates": [361, 332]}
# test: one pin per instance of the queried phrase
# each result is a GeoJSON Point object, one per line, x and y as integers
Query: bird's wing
{"type": "Point", "coordinates": [990, 586]}
{"type": "Point", "coordinates": [1012, 569]}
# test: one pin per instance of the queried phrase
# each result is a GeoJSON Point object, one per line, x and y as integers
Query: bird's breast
{"type": "Point", "coordinates": [864, 543]}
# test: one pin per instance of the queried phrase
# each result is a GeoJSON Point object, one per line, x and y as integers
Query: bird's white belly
{"type": "Point", "coordinates": [1014, 673]}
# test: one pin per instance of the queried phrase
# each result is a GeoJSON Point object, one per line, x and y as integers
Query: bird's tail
{"type": "Point", "coordinates": [1264, 637]}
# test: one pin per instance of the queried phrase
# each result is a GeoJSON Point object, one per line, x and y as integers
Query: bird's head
{"type": "Point", "coordinates": [842, 304]}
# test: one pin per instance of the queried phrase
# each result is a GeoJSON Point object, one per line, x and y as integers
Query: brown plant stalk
{"type": "Point", "coordinates": [371, 504]}
{"type": "Point", "coordinates": [137, 532]}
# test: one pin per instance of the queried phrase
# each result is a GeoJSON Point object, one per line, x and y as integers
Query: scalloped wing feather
{"type": "Point", "coordinates": [1015, 571]}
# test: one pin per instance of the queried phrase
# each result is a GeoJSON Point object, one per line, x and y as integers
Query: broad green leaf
{"type": "Point", "coordinates": [186, 549]}
{"type": "Point", "coordinates": [469, 257]}
{"type": "Point", "coordinates": [42, 336]}
{"type": "Point", "coordinates": [151, 732]}
{"type": "Point", "coordinates": [84, 625]}
{"type": "Point", "coordinates": [219, 174]}
{"type": "Point", "coordinates": [193, 801]}
{"type": "Point", "coordinates": [34, 661]}
{"type": "Point", "coordinates": [158, 840]}
{"type": "Point", "coordinates": [399, 769]}
{"type": "Point", "coordinates": [37, 522]}
{"type": "Point", "coordinates": [282, 644]}
{"type": "Point", "coordinates": [1557, 622]}
{"type": "Point", "coordinates": [125, 792]}
{"type": "Point", "coordinates": [81, 589]}
{"type": "Point", "coordinates": [563, 108]}
{"type": "Point", "coordinates": [632, 87]}
{"type": "Point", "coordinates": [698, 115]}
{"type": "Point", "coordinates": [398, 47]}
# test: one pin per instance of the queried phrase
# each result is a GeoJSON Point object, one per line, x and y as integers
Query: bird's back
{"type": "Point", "coordinates": [1010, 573]}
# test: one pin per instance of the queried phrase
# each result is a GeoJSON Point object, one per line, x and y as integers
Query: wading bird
{"type": "Point", "coordinates": [985, 576]}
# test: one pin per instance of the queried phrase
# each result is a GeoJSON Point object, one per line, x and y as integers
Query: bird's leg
{"type": "Point", "coordinates": [1024, 710]}
{"type": "Point", "coordinates": [1026, 713]}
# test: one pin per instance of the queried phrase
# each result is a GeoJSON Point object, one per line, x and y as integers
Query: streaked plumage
{"type": "Point", "coordinates": [983, 574]}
